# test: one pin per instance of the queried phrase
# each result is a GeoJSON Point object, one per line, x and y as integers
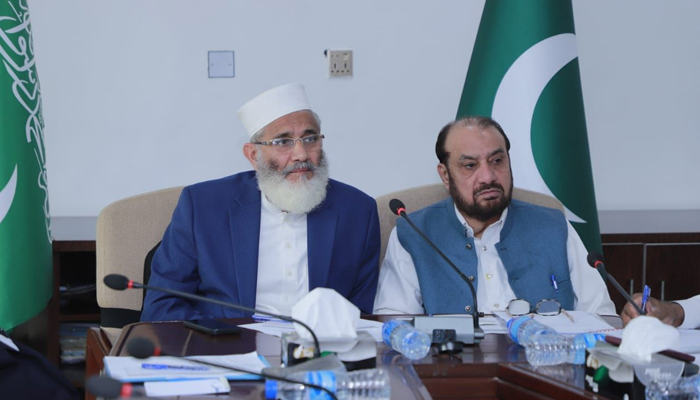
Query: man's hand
{"type": "Point", "coordinates": [668, 312]}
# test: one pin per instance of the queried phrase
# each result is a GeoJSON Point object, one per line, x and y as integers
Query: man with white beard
{"type": "Point", "coordinates": [265, 238]}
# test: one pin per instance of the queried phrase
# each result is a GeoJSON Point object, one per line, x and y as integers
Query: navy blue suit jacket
{"type": "Point", "coordinates": [210, 248]}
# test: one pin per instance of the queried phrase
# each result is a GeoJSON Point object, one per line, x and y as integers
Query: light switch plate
{"type": "Point", "coordinates": [221, 64]}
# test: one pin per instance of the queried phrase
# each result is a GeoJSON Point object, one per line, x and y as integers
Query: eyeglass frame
{"type": "Point", "coordinates": [561, 309]}
{"type": "Point", "coordinates": [275, 143]}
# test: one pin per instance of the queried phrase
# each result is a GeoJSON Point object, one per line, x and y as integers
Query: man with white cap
{"type": "Point", "coordinates": [267, 237]}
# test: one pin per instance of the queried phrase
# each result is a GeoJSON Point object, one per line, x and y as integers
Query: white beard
{"type": "Point", "coordinates": [299, 197]}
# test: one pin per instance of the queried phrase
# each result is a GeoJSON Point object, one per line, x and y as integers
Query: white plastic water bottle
{"type": "Point", "coordinates": [682, 389]}
{"type": "Point", "coordinates": [555, 350]}
{"type": "Point", "coordinates": [406, 339]}
{"type": "Point", "coordinates": [362, 384]}
{"type": "Point", "coordinates": [523, 329]}
{"type": "Point", "coordinates": [544, 346]}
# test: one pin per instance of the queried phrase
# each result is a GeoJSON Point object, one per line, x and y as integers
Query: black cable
{"type": "Point", "coordinates": [139, 348]}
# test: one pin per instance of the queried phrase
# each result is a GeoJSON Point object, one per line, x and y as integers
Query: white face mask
{"type": "Point", "coordinates": [299, 197]}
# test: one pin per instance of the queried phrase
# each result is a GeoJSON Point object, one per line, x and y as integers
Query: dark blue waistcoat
{"type": "Point", "coordinates": [532, 249]}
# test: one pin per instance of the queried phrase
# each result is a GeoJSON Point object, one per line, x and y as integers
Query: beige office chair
{"type": "Point", "coordinates": [126, 231]}
{"type": "Point", "coordinates": [422, 196]}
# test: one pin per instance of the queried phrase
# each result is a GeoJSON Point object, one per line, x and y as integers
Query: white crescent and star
{"type": "Point", "coordinates": [516, 99]}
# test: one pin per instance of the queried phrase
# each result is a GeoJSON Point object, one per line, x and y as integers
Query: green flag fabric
{"type": "Point", "coordinates": [25, 224]}
{"type": "Point", "coordinates": [524, 73]}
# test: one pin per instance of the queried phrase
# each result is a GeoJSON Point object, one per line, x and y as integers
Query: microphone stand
{"type": "Point", "coordinates": [399, 209]}
{"type": "Point", "coordinates": [143, 348]}
{"type": "Point", "coordinates": [120, 282]}
{"type": "Point", "coordinates": [595, 260]}
{"type": "Point", "coordinates": [475, 313]}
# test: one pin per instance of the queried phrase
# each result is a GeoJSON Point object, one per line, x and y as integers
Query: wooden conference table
{"type": "Point", "coordinates": [494, 369]}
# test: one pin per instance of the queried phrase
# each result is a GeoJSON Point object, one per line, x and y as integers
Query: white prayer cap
{"type": "Point", "coordinates": [271, 105]}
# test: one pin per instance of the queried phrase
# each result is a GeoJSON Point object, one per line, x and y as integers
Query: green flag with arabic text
{"type": "Point", "coordinates": [25, 224]}
{"type": "Point", "coordinates": [524, 73]}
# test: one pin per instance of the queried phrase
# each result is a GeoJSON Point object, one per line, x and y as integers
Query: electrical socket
{"type": "Point", "coordinates": [339, 63]}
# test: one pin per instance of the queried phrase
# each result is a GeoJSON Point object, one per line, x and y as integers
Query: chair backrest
{"type": "Point", "coordinates": [126, 231]}
{"type": "Point", "coordinates": [422, 196]}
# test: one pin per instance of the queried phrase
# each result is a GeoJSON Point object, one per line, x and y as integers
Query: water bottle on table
{"type": "Point", "coordinates": [554, 350]}
{"type": "Point", "coordinates": [406, 339]}
{"type": "Point", "coordinates": [544, 346]}
{"type": "Point", "coordinates": [362, 384]}
{"type": "Point", "coordinates": [523, 329]}
{"type": "Point", "coordinates": [682, 389]}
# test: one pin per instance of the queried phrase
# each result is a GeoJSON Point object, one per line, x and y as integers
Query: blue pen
{"type": "Point", "coordinates": [261, 318]}
{"type": "Point", "coordinates": [180, 367]}
{"type": "Point", "coordinates": [265, 318]}
{"type": "Point", "coordinates": [554, 283]}
{"type": "Point", "coordinates": [645, 297]}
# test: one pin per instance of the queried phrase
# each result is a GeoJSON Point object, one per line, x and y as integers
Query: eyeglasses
{"type": "Point", "coordinates": [545, 308]}
{"type": "Point", "coordinates": [310, 142]}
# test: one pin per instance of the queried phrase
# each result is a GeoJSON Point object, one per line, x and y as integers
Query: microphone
{"type": "Point", "coordinates": [142, 348]}
{"type": "Point", "coordinates": [595, 260]}
{"type": "Point", "coordinates": [398, 208]}
{"type": "Point", "coordinates": [110, 388]}
{"type": "Point", "coordinates": [121, 282]}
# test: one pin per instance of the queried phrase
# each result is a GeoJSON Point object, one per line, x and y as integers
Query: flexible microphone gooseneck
{"type": "Point", "coordinates": [143, 348]}
{"type": "Point", "coordinates": [595, 260]}
{"type": "Point", "coordinates": [398, 208]}
{"type": "Point", "coordinates": [121, 282]}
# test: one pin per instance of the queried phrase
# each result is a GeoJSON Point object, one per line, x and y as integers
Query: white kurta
{"type": "Point", "coordinates": [399, 290]}
{"type": "Point", "coordinates": [691, 308]}
{"type": "Point", "coordinates": [283, 264]}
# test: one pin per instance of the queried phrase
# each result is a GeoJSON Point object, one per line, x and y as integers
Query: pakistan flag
{"type": "Point", "coordinates": [25, 232]}
{"type": "Point", "coordinates": [524, 73]}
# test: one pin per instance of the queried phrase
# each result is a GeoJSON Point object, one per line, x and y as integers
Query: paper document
{"type": "Point", "coordinates": [130, 369]}
{"type": "Point", "coordinates": [583, 322]}
{"type": "Point", "coordinates": [487, 323]}
{"type": "Point", "coordinates": [689, 340]}
{"type": "Point", "coordinates": [276, 327]}
{"type": "Point", "coordinates": [491, 324]}
{"type": "Point", "coordinates": [187, 387]}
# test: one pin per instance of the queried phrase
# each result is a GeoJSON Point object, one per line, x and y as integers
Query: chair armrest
{"type": "Point", "coordinates": [97, 346]}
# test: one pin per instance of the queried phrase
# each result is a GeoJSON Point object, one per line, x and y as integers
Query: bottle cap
{"type": "Point", "coordinates": [388, 327]}
{"type": "Point", "coordinates": [270, 389]}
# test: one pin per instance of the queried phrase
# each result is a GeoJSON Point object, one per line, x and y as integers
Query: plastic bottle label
{"type": "Point", "coordinates": [321, 378]}
{"type": "Point", "coordinates": [592, 338]}
{"type": "Point", "coordinates": [514, 324]}
{"type": "Point", "coordinates": [389, 327]}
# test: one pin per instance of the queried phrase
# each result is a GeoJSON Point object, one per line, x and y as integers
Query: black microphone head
{"type": "Point", "coordinates": [141, 348]}
{"type": "Point", "coordinates": [116, 281]}
{"type": "Point", "coordinates": [594, 257]}
{"type": "Point", "coordinates": [397, 206]}
{"type": "Point", "coordinates": [596, 261]}
{"type": "Point", "coordinates": [102, 386]}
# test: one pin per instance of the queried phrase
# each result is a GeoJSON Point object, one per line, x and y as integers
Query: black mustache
{"type": "Point", "coordinates": [487, 187]}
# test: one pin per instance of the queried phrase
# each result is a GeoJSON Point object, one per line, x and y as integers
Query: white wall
{"type": "Point", "coordinates": [129, 108]}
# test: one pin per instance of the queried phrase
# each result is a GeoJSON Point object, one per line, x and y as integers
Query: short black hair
{"type": "Point", "coordinates": [468, 121]}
